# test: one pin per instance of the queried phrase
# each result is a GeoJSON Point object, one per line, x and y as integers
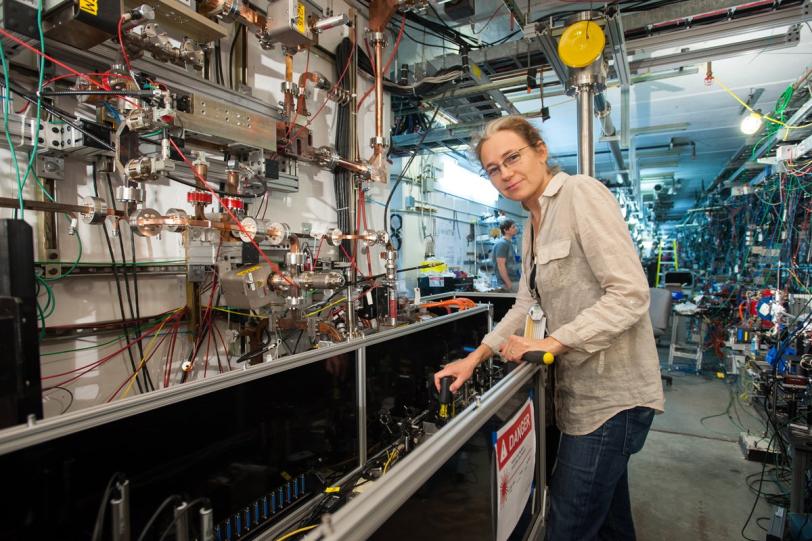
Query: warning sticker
{"type": "Point", "coordinates": [301, 22]}
{"type": "Point", "coordinates": [515, 450]}
{"type": "Point", "coordinates": [89, 6]}
{"type": "Point", "coordinates": [249, 269]}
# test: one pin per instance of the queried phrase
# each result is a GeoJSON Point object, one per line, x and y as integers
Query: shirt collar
{"type": "Point", "coordinates": [555, 184]}
{"type": "Point", "coordinates": [553, 187]}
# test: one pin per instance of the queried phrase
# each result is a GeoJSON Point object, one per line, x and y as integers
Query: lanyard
{"type": "Point", "coordinates": [532, 285]}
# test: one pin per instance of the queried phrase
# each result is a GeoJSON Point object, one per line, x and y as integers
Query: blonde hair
{"type": "Point", "coordinates": [518, 125]}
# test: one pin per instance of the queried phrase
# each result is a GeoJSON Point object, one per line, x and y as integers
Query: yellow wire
{"type": "Point", "coordinates": [238, 313]}
{"type": "Point", "coordinates": [339, 301]}
{"type": "Point", "coordinates": [147, 352]}
{"type": "Point", "coordinates": [746, 106]}
{"type": "Point", "coordinates": [294, 532]}
{"type": "Point", "coordinates": [393, 456]}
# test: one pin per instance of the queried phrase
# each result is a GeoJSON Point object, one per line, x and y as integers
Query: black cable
{"type": "Point", "coordinates": [138, 306]}
{"type": "Point", "coordinates": [758, 495]}
{"type": "Point", "coordinates": [100, 514]}
{"type": "Point", "coordinates": [143, 374]}
{"type": "Point", "coordinates": [64, 116]}
{"type": "Point", "coordinates": [296, 345]}
{"type": "Point", "coordinates": [405, 168]}
{"type": "Point", "coordinates": [231, 50]}
{"type": "Point", "coordinates": [66, 408]}
{"type": "Point", "coordinates": [154, 517]}
{"type": "Point", "coordinates": [124, 322]}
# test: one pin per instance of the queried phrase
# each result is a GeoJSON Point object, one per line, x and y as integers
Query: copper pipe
{"type": "Point", "coordinates": [378, 91]}
{"type": "Point", "coordinates": [233, 181]}
{"type": "Point", "coordinates": [357, 168]}
{"type": "Point", "coordinates": [380, 13]}
{"type": "Point", "coordinates": [201, 172]}
{"type": "Point", "coordinates": [309, 76]}
{"type": "Point", "coordinates": [47, 206]}
{"type": "Point", "coordinates": [294, 244]}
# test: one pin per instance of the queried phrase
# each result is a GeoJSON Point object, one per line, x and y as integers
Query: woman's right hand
{"type": "Point", "coordinates": [460, 370]}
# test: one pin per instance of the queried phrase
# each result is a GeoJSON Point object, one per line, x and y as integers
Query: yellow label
{"type": "Point", "coordinates": [249, 269]}
{"type": "Point", "coordinates": [301, 22]}
{"type": "Point", "coordinates": [89, 6]}
{"type": "Point", "coordinates": [332, 490]}
{"type": "Point", "coordinates": [475, 71]}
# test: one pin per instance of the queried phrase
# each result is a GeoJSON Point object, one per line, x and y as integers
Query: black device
{"type": "Point", "coordinates": [445, 397]}
{"type": "Point", "coordinates": [20, 18]}
{"type": "Point", "coordinates": [20, 387]}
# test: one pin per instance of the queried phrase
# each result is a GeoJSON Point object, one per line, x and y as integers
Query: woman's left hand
{"type": "Point", "coordinates": [515, 347]}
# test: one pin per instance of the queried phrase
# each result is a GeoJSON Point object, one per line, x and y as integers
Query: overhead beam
{"type": "Point", "coordinates": [676, 10]}
{"type": "Point", "coordinates": [784, 16]}
{"type": "Point", "coordinates": [789, 39]}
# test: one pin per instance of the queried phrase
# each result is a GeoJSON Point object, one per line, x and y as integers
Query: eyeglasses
{"type": "Point", "coordinates": [494, 172]}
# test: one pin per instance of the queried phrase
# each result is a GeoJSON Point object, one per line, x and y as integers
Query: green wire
{"type": "Point", "coordinates": [75, 263]}
{"type": "Point", "coordinates": [35, 136]}
{"type": "Point", "coordinates": [6, 103]}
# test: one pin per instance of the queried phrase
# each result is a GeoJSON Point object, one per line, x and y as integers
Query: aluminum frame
{"type": "Point", "coordinates": [363, 515]}
{"type": "Point", "coordinates": [22, 436]}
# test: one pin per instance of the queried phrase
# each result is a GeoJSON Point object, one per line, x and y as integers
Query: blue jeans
{"type": "Point", "coordinates": [589, 489]}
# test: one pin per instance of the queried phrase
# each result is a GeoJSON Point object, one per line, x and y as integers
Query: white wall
{"type": "Point", "coordinates": [91, 299]}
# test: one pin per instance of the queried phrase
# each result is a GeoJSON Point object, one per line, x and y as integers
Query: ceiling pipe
{"type": "Point", "coordinates": [603, 111]}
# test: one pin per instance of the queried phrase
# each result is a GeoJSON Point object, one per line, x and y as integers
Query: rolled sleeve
{"type": "Point", "coordinates": [514, 318]}
{"type": "Point", "coordinates": [608, 249]}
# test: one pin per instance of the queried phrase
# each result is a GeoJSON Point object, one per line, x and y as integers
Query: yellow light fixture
{"type": "Point", "coordinates": [751, 123]}
{"type": "Point", "coordinates": [581, 44]}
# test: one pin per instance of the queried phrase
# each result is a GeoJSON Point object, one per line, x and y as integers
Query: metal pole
{"type": "Point", "coordinates": [120, 514]}
{"type": "Point", "coordinates": [361, 381]}
{"type": "Point", "coordinates": [586, 144]}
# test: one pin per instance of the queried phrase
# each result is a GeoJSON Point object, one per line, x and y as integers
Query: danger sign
{"type": "Point", "coordinates": [515, 447]}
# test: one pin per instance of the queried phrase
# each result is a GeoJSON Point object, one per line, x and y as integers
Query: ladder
{"type": "Point", "coordinates": [667, 264]}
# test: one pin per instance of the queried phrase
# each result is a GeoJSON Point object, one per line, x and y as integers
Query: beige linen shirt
{"type": "Point", "coordinates": [595, 296]}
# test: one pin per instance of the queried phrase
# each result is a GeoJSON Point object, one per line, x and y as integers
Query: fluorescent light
{"type": "Point", "coordinates": [751, 123]}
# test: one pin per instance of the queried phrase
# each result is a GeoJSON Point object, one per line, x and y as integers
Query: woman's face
{"type": "Point", "coordinates": [515, 168]}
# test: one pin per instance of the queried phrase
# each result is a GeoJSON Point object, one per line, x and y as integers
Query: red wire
{"type": "Point", "coordinates": [318, 249]}
{"type": "Point", "coordinates": [341, 78]}
{"type": "Point", "coordinates": [87, 368]}
{"type": "Point", "coordinates": [143, 365]}
{"type": "Point", "coordinates": [168, 364]}
{"type": "Point", "coordinates": [106, 358]}
{"type": "Point", "coordinates": [352, 261]}
{"type": "Point", "coordinates": [274, 267]}
{"type": "Point", "coordinates": [52, 59]}
{"type": "Point", "coordinates": [124, 50]}
{"type": "Point", "coordinates": [225, 347]}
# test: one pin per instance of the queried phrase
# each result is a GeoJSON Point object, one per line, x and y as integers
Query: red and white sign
{"type": "Point", "coordinates": [515, 465]}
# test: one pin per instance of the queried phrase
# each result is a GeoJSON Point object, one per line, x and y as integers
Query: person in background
{"type": "Point", "coordinates": [580, 265]}
{"type": "Point", "coordinates": [503, 257]}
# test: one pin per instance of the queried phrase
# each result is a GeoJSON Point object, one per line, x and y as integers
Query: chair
{"type": "Point", "coordinates": [659, 310]}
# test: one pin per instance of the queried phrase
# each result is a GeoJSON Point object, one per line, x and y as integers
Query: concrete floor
{"type": "Point", "coordinates": [688, 482]}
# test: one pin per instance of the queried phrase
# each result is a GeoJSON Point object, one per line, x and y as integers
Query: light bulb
{"type": "Point", "coordinates": [751, 123]}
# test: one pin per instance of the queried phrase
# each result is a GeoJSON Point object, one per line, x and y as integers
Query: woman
{"type": "Point", "coordinates": [578, 260]}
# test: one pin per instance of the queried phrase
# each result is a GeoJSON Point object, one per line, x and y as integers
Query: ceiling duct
{"type": "Point", "coordinates": [459, 10]}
